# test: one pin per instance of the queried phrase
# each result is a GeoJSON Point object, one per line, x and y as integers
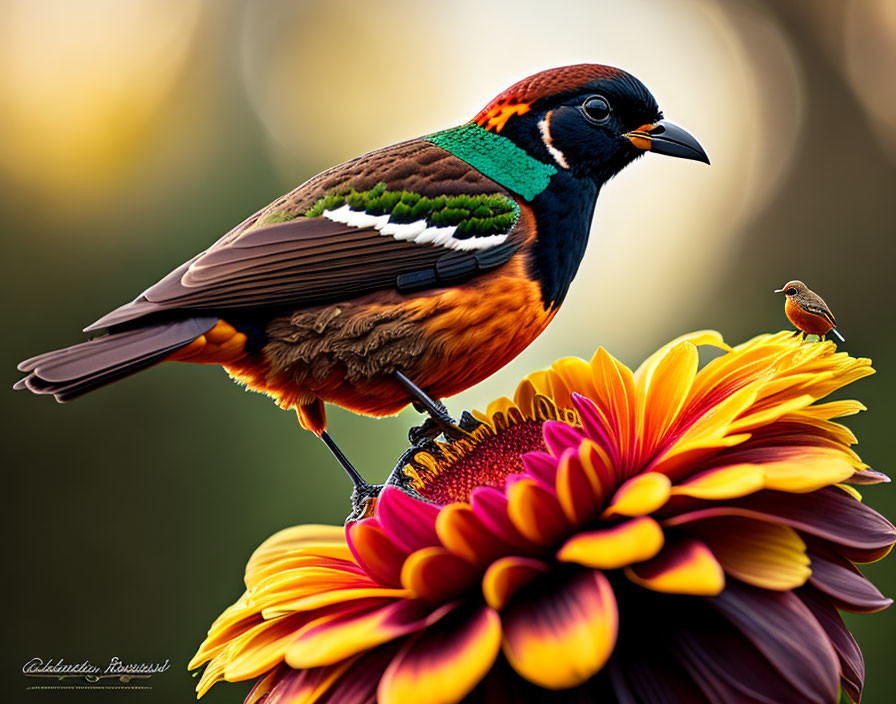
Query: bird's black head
{"type": "Point", "coordinates": [589, 119]}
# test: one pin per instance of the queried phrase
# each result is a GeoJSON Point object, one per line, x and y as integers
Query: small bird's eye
{"type": "Point", "coordinates": [791, 291]}
{"type": "Point", "coordinates": [597, 109]}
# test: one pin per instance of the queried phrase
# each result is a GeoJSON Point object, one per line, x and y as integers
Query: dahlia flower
{"type": "Point", "coordinates": [673, 534]}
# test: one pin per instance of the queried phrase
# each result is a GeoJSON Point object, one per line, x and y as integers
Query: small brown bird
{"type": "Point", "coordinates": [807, 311]}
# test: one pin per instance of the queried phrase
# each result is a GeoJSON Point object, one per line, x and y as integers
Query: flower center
{"type": "Point", "coordinates": [486, 460]}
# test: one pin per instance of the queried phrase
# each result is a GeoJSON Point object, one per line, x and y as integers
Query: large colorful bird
{"type": "Point", "coordinates": [406, 275]}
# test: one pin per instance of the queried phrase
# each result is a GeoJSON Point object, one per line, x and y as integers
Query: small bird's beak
{"type": "Point", "coordinates": [779, 290]}
{"type": "Point", "coordinates": [667, 138]}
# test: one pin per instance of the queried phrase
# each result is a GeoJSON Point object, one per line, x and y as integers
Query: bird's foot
{"type": "Point", "coordinates": [363, 500]}
{"type": "Point", "coordinates": [423, 436]}
{"type": "Point", "coordinates": [439, 421]}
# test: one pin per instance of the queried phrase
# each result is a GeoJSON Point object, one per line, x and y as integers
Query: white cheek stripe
{"type": "Point", "coordinates": [419, 232]}
{"type": "Point", "coordinates": [544, 126]}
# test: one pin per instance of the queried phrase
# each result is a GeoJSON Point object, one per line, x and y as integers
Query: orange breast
{"type": "Point", "coordinates": [445, 341]}
{"type": "Point", "coordinates": [220, 345]}
{"type": "Point", "coordinates": [804, 320]}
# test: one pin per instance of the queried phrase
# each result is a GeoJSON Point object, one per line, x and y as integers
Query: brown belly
{"type": "Point", "coordinates": [445, 342]}
{"type": "Point", "coordinates": [804, 320]}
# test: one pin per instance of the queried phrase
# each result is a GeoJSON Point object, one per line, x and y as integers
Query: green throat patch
{"type": "Point", "coordinates": [497, 157]}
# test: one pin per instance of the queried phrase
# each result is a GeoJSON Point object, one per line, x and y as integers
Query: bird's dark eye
{"type": "Point", "coordinates": [597, 109]}
{"type": "Point", "coordinates": [791, 291]}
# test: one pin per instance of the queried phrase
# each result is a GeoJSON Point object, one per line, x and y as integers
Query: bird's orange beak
{"type": "Point", "coordinates": [667, 138]}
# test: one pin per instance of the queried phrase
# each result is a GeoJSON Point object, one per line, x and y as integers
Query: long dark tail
{"type": "Point", "coordinates": [79, 369]}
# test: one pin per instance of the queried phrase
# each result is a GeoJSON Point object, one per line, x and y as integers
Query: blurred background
{"type": "Point", "coordinates": [135, 132]}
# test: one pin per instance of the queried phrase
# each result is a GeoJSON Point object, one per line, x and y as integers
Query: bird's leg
{"type": "Point", "coordinates": [362, 491]}
{"type": "Point", "coordinates": [439, 420]}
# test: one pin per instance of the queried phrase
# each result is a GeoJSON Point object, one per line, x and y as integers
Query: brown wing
{"type": "Point", "coordinates": [305, 261]}
{"type": "Point", "coordinates": [814, 303]}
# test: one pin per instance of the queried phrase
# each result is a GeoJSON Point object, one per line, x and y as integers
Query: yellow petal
{"type": "Point", "coordinates": [723, 483]}
{"type": "Point", "coordinates": [686, 567]}
{"type": "Point", "coordinates": [640, 495]}
{"type": "Point", "coordinates": [563, 635]}
{"type": "Point", "coordinates": [635, 540]}
{"type": "Point", "coordinates": [766, 555]}
{"type": "Point", "coordinates": [445, 663]}
{"type": "Point", "coordinates": [698, 338]}
{"type": "Point", "coordinates": [808, 470]}
{"type": "Point", "coordinates": [505, 577]}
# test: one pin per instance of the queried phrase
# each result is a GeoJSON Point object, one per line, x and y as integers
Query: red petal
{"type": "Point", "coordinates": [828, 513]}
{"type": "Point", "coordinates": [375, 552]}
{"type": "Point", "coordinates": [578, 488]}
{"type": "Point", "coordinates": [437, 574]}
{"type": "Point", "coordinates": [507, 576]}
{"type": "Point", "coordinates": [535, 512]}
{"type": "Point", "coordinates": [330, 639]}
{"type": "Point", "coordinates": [464, 534]}
{"type": "Point", "coordinates": [446, 662]}
{"type": "Point", "coordinates": [852, 664]}
{"type": "Point", "coordinates": [559, 636]}
{"type": "Point", "coordinates": [683, 567]}
{"type": "Point", "coordinates": [841, 580]}
{"type": "Point", "coordinates": [787, 634]}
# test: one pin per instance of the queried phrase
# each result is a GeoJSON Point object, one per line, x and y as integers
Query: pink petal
{"type": "Point", "coordinates": [541, 465]}
{"type": "Point", "coordinates": [408, 522]}
{"type": "Point", "coordinates": [559, 436]}
{"type": "Point", "coordinates": [490, 507]}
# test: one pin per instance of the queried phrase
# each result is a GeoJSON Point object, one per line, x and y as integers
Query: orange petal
{"type": "Point", "coordinates": [535, 512]}
{"type": "Point", "coordinates": [505, 577]}
{"type": "Point", "coordinates": [663, 387]}
{"type": "Point", "coordinates": [634, 540]}
{"type": "Point", "coordinates": [640, 495]}
{"type": "Point", "coordinates": [436, 574]}
{"type": "Point", "coordinates": [766, 555]}
{"type": "Point", "coordinates": [445, 663]}
{"type": "Point", "coordinates": [684, 567]}
{"type": "Point", "coordinates": [562, 635]}
{"type": "Point", "coordinates": [615, 396]}
{"type": "Point", "coordinates": [570, 375]}
{"type": "Point", "coordinates": [321, 540]}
